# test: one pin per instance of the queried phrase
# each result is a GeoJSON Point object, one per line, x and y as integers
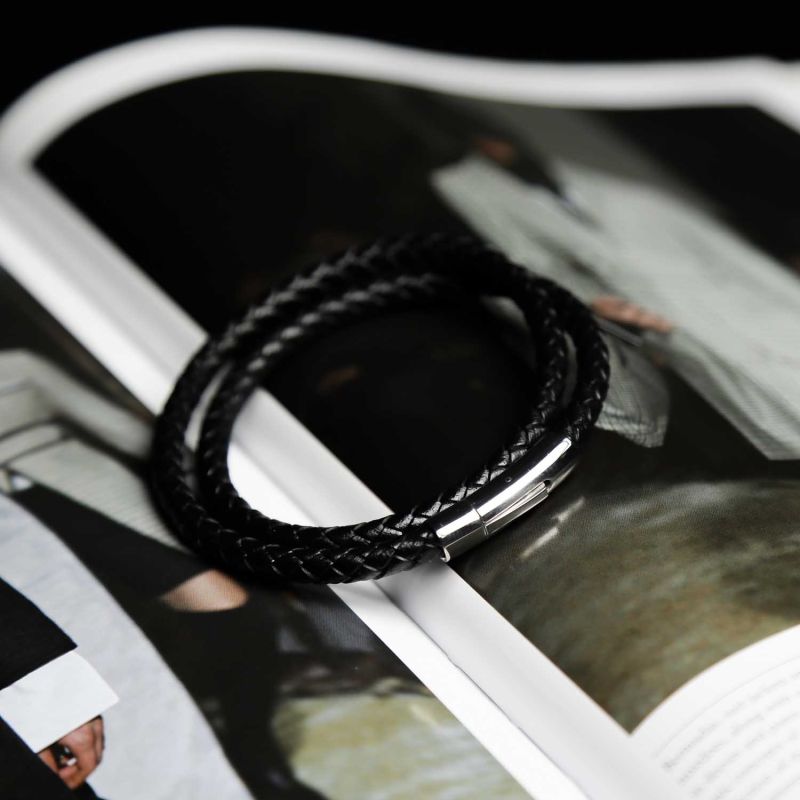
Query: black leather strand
{"type": "Point", "coordinates": [194, 490]}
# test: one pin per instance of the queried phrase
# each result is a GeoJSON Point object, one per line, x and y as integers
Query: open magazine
{"type": "Point", "coordinates": [636, 637]}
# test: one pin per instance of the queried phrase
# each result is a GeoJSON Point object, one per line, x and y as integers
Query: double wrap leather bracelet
{"type": "Point", "coordinates": [570, 380]}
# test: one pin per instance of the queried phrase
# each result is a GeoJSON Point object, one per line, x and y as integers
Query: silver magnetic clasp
{"type": "Point", "coordinates": [525, 484]}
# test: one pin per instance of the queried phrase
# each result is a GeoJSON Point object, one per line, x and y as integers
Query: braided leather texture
{"type": "Point", "coordinates": [194, 490]}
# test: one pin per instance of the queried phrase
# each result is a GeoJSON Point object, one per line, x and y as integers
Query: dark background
{"type": "Point", "coordinates": [34, 47]}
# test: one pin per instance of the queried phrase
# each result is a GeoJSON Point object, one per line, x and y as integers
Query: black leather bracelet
{"type": "Point", "coordinates": [195, 492]}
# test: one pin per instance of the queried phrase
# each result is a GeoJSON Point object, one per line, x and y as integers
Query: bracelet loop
{"type": "Point", "coordinates": [195, 491]}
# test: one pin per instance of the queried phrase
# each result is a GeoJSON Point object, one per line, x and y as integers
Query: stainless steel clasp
{"type": "Point", "coordinates": [525, 484]}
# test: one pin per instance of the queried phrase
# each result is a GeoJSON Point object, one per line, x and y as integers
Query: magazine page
{"type": "Point", "coordinates": [210, 686]}
{"type": "Point", "coordinates": [597, 623]}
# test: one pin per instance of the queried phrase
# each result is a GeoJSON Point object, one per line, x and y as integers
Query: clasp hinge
{"type": "Point", "coordinates": [522, 486]}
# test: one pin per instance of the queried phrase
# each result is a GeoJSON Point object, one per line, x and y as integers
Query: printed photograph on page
{"type": "Point", "coordinates": [674, 545]}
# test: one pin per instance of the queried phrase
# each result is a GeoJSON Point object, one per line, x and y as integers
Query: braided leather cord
{"type": "Point", "coordinates": [195, 491]}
